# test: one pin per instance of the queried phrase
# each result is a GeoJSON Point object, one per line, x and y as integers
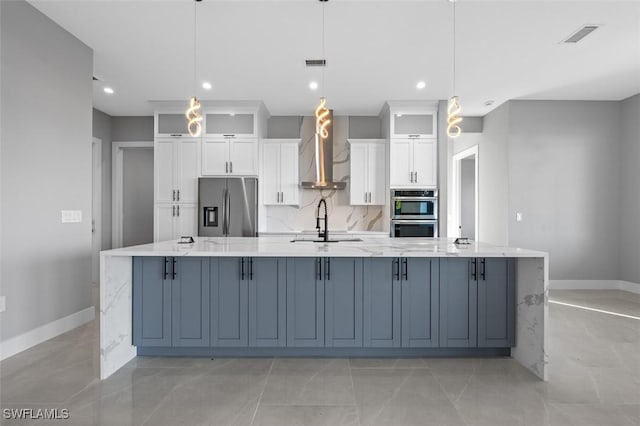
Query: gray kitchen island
{"type": "Point", "coordinates": [269, 296]}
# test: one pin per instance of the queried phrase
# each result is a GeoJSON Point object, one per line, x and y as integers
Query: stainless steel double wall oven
{"type": "Point", "coordinates": [414, 212]}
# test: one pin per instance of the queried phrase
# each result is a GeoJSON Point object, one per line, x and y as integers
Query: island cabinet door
{"type": "Point", "coordinates": [229, 302]}
{"type": "Point", "coordinates": [382, 303]}
{"type": "Point", "coordinates": [152, 301]}
{"type": "Point", "coordinates": [190, 300]}
{"type": "Point", "coordinates": [496, 302]}
{"type": "Point", "coordinates": [420, 299]}
{"type": "Point", "coordinates": [267, 301]}
{"type": "Point", "coordinates": [458, 303]}
{"type": "Point", "coordinates": [305, 302]}
{"type": "Point", "coordinates": [343, 302]}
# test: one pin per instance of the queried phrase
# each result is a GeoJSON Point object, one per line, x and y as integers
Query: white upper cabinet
{"type": "Point", "coordinates": [413, 123]}
{"type": "Point", "coordinates": [227, 123]}
{"type": "Point", "coordinates": [367, 171]}
{"type": "Point", "coordinates": [413, 163]}
{"type": "Point", "coordinates": [176, 170]}
{"type": "Point", "coordinates": [279, 172]}
{"type": "Point", "coordinates": [230, 156]}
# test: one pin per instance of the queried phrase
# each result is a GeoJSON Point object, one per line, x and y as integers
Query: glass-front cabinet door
{"type": "Point", "coordinates": [412, 124]}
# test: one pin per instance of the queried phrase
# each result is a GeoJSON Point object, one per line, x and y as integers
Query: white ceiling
{"type": "Point", "coordinates": [375, 50]}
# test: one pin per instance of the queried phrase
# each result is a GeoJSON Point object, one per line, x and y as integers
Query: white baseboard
{"type": "Point", "coordinates": [594, 285]}
{"type": "Point", "coordinates": [45, 332]}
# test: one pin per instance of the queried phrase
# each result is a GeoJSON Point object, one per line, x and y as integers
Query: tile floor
{"type": "Point", "coordinates": [594, 380]}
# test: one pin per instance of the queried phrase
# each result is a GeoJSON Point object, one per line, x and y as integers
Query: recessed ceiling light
{"type": "Point", "coordinates": [421, 85]}
{"type": "Point", "coordinates": [108, 90]}
{"type": "Point", "coordinates": [313, 85]}
{"type": "Point", "coordinates": [489, 103]}
{"type": "Point", "coordinates": [206, 85]}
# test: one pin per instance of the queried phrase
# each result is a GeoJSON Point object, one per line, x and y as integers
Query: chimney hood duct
{"type": "Point", "coordinates": [324, 163]}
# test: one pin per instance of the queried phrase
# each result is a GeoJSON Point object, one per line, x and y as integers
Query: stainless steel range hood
{"type": "Point", "coordinates": [324, 163]}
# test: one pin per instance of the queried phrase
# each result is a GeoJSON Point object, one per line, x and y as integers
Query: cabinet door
{"type": "Point", "coordinates": [243, 157]}
{"type": "Point", "coordinates": [289, 174]}
{"type": "Point", "coordinates": [458, 303]}
{"type": "Point", "coordinates": [401, 162]}
{"type": "Point", "coordinates": [171, 124]}
{"type": "Point", "coordinates": [186, 220]}
{"type": "Point", "coordinates": [425, 162]}
{"type": "Point", "coordinates": [358, 188]}
{"type": "Point", "coordinates": [190, 299]}
{"type": "Point", "coordinates": [343, 302]}
{"type": "Point", "coordinates": [151, 301]}
{"type": "Point", "coordinates": [215, 157]}
{"type": "Point", "coordinates": [187, 170]}
{"type": "Point", "coordinates": [267, 301]}
{"type": "Point", "coordinates": [305, 302]}
{"type": "Point", "coordinates": [163, 222]}
{"type": "Point", "coordinates": [164, 176]}
{"type": "Point", "coordinates": [496, 303]}
{"type": "Point", "coordinates": [376, 173]}
{"type": "Point", "coordinates": [420, 285]}
{"type": "Point", "coordinates": [231, 124]}
{"type": "Point", "coordinates": [416, 124]}
{"type": "Point", "coordinates": [229, 303]}
{"type": "Point", "coordinates": [271, 173]}
{"type": "Point", "coordinates": [382, 303]}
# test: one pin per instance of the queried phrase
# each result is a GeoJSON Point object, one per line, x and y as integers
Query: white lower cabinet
{"type": "Point", "coordinates": [171, 221]}
{"type": "Point", "coordinates": [368, 171]}
{"type": "Point", "coordinates": [279, 172]}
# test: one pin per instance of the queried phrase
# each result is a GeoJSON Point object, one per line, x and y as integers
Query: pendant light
{"type": "Point", "coordinates": [322, 113]}
{"type": "Point", "coordinates": [453, 107]}
{"type": "Point", "coordinates": [194, 117]}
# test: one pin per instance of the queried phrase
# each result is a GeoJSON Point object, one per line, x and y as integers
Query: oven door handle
{"type": "Point", "coordinates": [415, 198]}
{"type": "Point", "coordinates": [425, 222]}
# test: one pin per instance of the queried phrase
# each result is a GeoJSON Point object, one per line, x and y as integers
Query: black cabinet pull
{"type": "Point", "coordinates": [166, 270]}
{"type": "Point", "coordinates": [251, 268]}
{"type": "Point", "coordinates": [242, 268]}
{"type": "Point", "coordinates": [396, 269]}
{"type": "Point", "coordinates": [319, 268]}
{"type": "Point", "coordinates": [474, 269]}
{"type": "Point", "coordinates": [173, 269]}
{"type": "Point", "coordinates": [405, 273]}
{"type": "Point", "coordinates": [483, 271]}
{"type": "Point", "coordinates": [328, 269]}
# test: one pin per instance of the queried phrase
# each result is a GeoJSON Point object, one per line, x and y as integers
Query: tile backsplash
{"type": "Point", "coordinates": [342, 216]}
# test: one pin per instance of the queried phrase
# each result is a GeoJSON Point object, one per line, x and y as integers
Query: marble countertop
{"type": "Point", "coordinates": [281, 246]}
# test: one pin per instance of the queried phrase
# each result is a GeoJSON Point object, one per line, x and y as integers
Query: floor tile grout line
{"type": "Point", "coordinates": [266, 380]}
{"type": "Point", "coordinates": [353, 390]}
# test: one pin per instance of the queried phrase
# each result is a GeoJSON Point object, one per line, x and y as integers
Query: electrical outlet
{"type": "Point", "coordinates": [71, 216]}
{"type": "Point", "coordinates": [3, 303]}
{"type": "Point", "coordinates": [518, 217]}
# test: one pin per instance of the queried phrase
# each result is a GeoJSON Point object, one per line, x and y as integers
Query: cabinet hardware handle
{"type": "Point", "coordinates": [365, 197]}
{"type": "Point", "coordinates": [229, 136]}
{"type": "Point", "coordinates": [176, 134]}
{"type": "Point", "coordinates": [166, 270]}
{"type": "Point", "coordinates": [178, 210]}
{"type": "Point", "coordinates": [369, 197]}
{"type": "Point", "coordinates": [242, 268]}
{"type": "Point", "coordinates": [319, 268]}
{"type": "Point", "coordinates": [416, 174]}
{"type": "Point", "coordinates": [474, 269]}
{"type": "Point", "coordinates": [226, 167]}
{"type": "Point", "coordinates": [251, 268]}
{"type": "Point", "coordinates": [405, 273]}
{"type": "Point", "coordinates": [173, 211]}
{"type": "Point", "coordinates": [230, 166]}
{"type": "Point", "coordinates": [173, 269]}
{"type": "Point", "coordinates": [483, 271]}
{"type": "Point", "coordinates": [414, 136]}
{"type": "Point", "coordinates": [396, 268]}
{"type": "Point", "coordinates": [178, 194]}
{"type": "Point", "coordinates": [282, 197]}
{"type": "Point", "coordinates": [328, 269]}
{"type": "Point", "coordinates": [173, 195]}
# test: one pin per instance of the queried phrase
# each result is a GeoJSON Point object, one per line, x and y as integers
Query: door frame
{"type": "Point", "coordinates": [96, 207]}
{"type": "Point", "coordinates": [117, 181]}
{"type": "Point", "coordinates": [456, 191]}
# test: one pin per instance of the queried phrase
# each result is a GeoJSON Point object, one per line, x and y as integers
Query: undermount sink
{"type": "Point", "coordinates": [316, 240]}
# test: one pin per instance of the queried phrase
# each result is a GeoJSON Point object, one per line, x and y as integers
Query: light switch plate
{"type": "Point", "coordinates": [518, 217]}
{"type": "Point", "coordinates": [3, 303]}
{"type": "Point", "coordinates": [71, 216]}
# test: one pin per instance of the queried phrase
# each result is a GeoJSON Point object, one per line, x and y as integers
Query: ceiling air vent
{"type": "Point", "coordinates": [316, 62]}
{"type": "Point", "coordinates": [581, 33]}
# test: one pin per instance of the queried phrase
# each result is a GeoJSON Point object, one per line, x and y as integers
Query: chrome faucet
{"type": "Point", "coordinates": [322, 234]}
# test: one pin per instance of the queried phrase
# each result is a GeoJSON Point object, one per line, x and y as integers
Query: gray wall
{"type": "Point", "coordinates": [630, 194]}
{"type": "Point", "coordinates": [46, 167]}
{"type": "Point", "coordinates": [102, 130]}
{"type": "Point", "coordinates": [137, 197]}
{"type": "Point", "coordinates": [116, 129]}
{"type": "Point", "coordinates": [564, 176]}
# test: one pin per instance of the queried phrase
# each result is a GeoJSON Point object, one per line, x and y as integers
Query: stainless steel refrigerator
{"type": "Point", "coordinates": [228, 207]}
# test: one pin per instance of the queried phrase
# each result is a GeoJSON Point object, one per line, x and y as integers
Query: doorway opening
{"type": "Point", "coordinates": [465, 168]}
{"type": "Point", "coordinates": [96, 209]}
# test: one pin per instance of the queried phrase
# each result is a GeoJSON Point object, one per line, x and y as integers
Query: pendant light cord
{"type": "Point", "coordinates": [195, 38]}
{"type": "Point", "coordinates": [323, 54]}
{"type": "Point", "coordinates": [454, 48]}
